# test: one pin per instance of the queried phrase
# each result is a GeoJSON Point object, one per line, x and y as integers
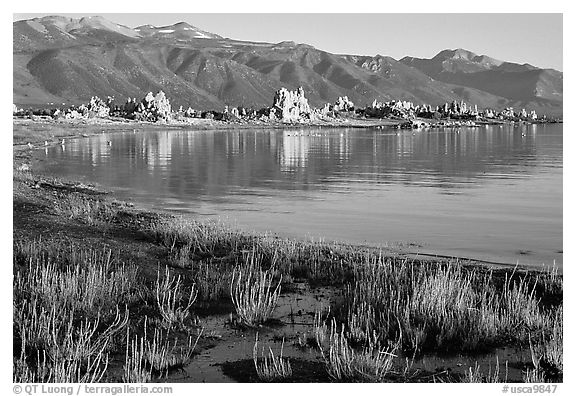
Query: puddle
{"type": "Point", "coordinates": [510, 361]}
{"type": "Point", "coordinates": [232, 349]}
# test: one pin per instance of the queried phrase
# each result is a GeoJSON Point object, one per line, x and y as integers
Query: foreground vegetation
{"type": "Point", "coordinates": [91, 305]}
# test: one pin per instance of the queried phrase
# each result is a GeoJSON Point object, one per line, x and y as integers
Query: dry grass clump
{"type": "Point", "coordinates": [318, 262]}
{"type": "Point", "coordinates": [534, 376]}
{"type": "Point", "coordinates": [474, 375]}
{"type": "Point", "coordinates": [551, 280]}
{"type": "Point", "coordinates": [553, 344]}
{"type": "Point", "coordinates": [155, 354]}
{"type": "Point", "coordinates": [86, 209]}
{"type": "Point", "coordinates": [135, 365]}
{"type": "Point", "coordinates": [184, 238]}
{"type": "Point", "coordinates": [271, 368]}
{"type": "Point", "coordinates": [173, 301]}
{"type": "Point", "coordinates": [253, 293]}
{"type": "Point", "coordinates": [368, 363]}
{"type": "Point", "coordinates": [547, 353]}
{"type": "Point", "coordinates": [86, 281]}
{"type": "Point", "coordinates": [189, 241]}
{"type": "Point", "coordinates": [69, 306]}
{"type": "Point", "coordinates": [59, 346]}
{"type": "Point", "coordinates": [439, 306]}
{"type": "Point", "coordinates": [212, 280]}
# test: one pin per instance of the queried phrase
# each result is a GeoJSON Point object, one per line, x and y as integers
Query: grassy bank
{"type": "Point", "coordinates": [105, 292]}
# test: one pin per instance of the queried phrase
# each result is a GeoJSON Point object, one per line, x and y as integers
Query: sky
{"type": "Point", "coordinates": [522, 38]}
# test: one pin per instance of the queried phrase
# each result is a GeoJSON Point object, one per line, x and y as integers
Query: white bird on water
{"type": "Point", "coordinates": [63, 142]}
{"type": "Point", "coordinates": [108, 142]}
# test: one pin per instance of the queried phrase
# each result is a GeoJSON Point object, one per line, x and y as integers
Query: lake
{"type": "Point", "coordinates": [491, 193]}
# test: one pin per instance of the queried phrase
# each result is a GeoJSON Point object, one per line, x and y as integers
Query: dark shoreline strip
{"type": "Point", "coordinates": [442, 256]}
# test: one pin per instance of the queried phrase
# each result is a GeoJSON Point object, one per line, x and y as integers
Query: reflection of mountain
{"type": "Point", "coordinates": [215, 164]}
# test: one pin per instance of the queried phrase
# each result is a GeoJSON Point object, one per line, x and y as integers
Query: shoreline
{"type": "Point", "coordinates": [84, 126]}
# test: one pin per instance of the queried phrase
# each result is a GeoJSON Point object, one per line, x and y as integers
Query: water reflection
{"type": "Point", "coordinates": [453, 159]}
{"type": "Point", "coordinates": [500, 174]}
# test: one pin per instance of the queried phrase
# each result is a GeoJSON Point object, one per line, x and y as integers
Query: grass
{"type": "Point", "coordinates": [70, 305]}
{"type": "Point", "coordinates": [189, 242]}
{"type": "Point", "coordinates": [474, 375]}
{"type": "Point", "coordinates": [439, 306]}
{"type": "Point", "coordinates": [67, 277]}
{"type": "Point", "coordinates": [547, 353]}
{"type": "Point", "coordinates": [172, 301]}
{"type": "Point", "coordinates": [533, 375]}
{"type": "Point", "coordinates": [186, 238]}
{"type": "Point", "coordinates": [212, 280]}
{"type": "Point", "coordinates": [155, 353]}
{"type": "Point", "coordinates": [135, 365]}
{"type": "Point", "coordinates": [60, 346]}
{"type": "Point", "coordinates": [271, 368]}
{"type": "Point", "coordinates": [253, 293]}
{"type": "Point", "coordinates": [87, 209]}
{"type": "Point", "coordinates": [345, 363]}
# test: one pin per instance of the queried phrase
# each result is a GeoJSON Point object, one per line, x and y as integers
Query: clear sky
{"type": "Point", "coordinates": [521, 38]}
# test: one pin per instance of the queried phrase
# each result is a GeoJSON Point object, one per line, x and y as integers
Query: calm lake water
{"type": "Point", "coordinates": [492, 193]}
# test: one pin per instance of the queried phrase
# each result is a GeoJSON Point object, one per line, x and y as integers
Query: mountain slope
{"type": "Point", "coordinates": [522, 84]}
{"type": "Point", "coordinates": [60, 59]}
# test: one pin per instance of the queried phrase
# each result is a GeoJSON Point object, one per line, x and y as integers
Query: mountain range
{"type": "Point", "coordinates": [65, 60]}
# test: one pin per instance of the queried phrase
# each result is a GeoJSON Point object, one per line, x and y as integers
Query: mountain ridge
{"type": "Point", "coordinates": [58, 59]}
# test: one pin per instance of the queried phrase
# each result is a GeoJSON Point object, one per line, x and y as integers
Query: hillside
{"type": "Point", "coordinates": [523, 85]}
{"type": "Point", "coordinates": [57, 59]}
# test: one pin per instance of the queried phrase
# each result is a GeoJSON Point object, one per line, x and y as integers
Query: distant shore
{"type": "Point", "coordinates": [38, 129]}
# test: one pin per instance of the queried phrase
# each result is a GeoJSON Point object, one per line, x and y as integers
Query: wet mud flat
{"type": "Point", "coordinates": [227, 355]}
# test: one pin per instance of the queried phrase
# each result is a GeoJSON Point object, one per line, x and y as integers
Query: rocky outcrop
{"type": "Point", "coordinates": [191, 113]}
{"type": "Point", "coordinates": [488, 113]}
{"type": "Point", "coordinates": [508, 112]}
{"type": "Point", "coordinates": [344, 104]}
{"type": "Point", "coordinates": [75, 114]}
{"type": "Point", "coordinates": [290, 106]}
{"type": "Point", "coordinates": [98, 108]}
{"type": "Point", "coordinates": [400, 108]}
{"type": "Point", "coordinates": [151, 108]}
